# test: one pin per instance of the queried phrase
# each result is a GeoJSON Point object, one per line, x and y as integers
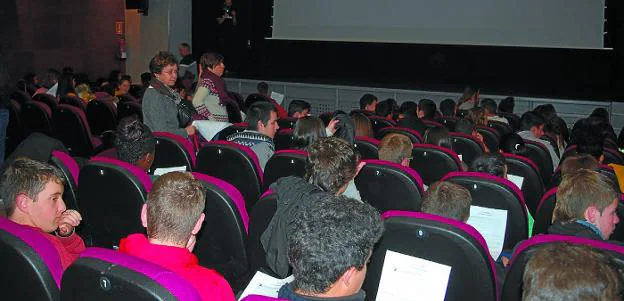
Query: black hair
{"type": "Point", "coordinates": [531, 119]}
{"type": "Point", "coordinates": [489, 105]}
{"type": "Point", "coordinates": [133, 140]}
{"type": "Point", "coordinates": [384, 108]}
{"type": "Point", "coordinates": [490, 163]}
{"type": "Point", "coordinates": [447, 107]}
{"type": "Point", "coordinates": [307, 130]}
{"type": "Point", "coordinates": [547, 111]}
{"type": "Point", "coordinates": [297, 106]}
{"type": "Point", "coordinates": [428, 107]}
{"type": "Point", "coordinates": [65, 85]}
{"type": "Point", "coordinates": [513, 144]}
{"type": "Point", "coordinates": [263, 88]}
{"type": "Point", "coordinates": [408, 108]}
{"type": "Point", "coordinates": [507, 105]}
{"type": "Point", "coordinates": [259, 111]}
{"type": "Point", "coordinates": [366, 100]}
{"type": "Point", "coordinates": [438, 136]}
{"type": "Point", "coordinates": [464, 126]}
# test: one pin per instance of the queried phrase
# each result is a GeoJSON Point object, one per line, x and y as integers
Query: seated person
{"type": "Point", "coordinates": [363, 126]}
{"type": "Point", "coordinates": [491, 163]}
{"type": "Point", "coordinates": [586, 206]}
{"type": "Point", "coordinates": [409, 119]}
{"type": "Point", "coordinates": [368, 103]}
{"type": "Point", "coordinates": [298, 108]}
{"type": "Point", "coordinates": [449, 200]}
{"type": "Point", "coordinates": [448, 108]}
{"type": "Point", "coordinates": [513, 144]}
{"type": "Point", "coordinates": [438, 136]}
{"type": "Point", "coordinates": [574, 163]}
{"type": "Point", "coordinates": [407, 107]}
{"type": "Point", "coordinates": [477, 116]}
{"type": "Point", "coordinates": [469, 98]}
{"type": "Point", "coordinates": [467, 127]}
{"type": "Point", "coordinates": [263, 89]}
{"type": "Point", "coordinates": [261, 129]}
{"type": "Point", "coordinates": [396, 148]}
{"type": "Point", "coordinates": [135, 143]}
{"type": "Point", "coordinates": [307, 130]}
{"type": "Point", "coordinates": [559, 271]}
{"type": "Point", "coordinates": [329, 245]}
{"type": "Point", "coordinates": [385, 109]}
{"type": "Point", "coordinates": [33, 197]}
{"type": "Point", "coordinates": [426, 109]}
{"type": "Point", "coordinates": [173, 215]}
{"type": "Point", "coordinates": [532, 128]}
{"type": "Point", "coordinates": [489, 105]}
{"type": "Point", "coordinates": [332, 164]}
{"type": "Point", "coordinates": [507, 105]}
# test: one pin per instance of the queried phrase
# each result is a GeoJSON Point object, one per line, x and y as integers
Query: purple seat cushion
{"type": "Point", "coordinates": [69, 162]}
{"type": "Point", "coordinates": [183, 141]}
{"type": "Point", "coordinates": [41, 245]}
{"type": "Point", "coordinates": [367, 139]}
{"type": "Point", "coordinates": [140, 174]}
{"type": "Point", "coordinates": [231, 191]}
{"type": "Point", "coordinates": [178, 286]}
{"type": "Point", "coordinates": [404, 169]}
{"type": "Point", "coordinates": [456, 224]}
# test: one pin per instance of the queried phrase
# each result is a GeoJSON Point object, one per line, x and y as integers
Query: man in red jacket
{"type": "Point", "coordinates": [173, 215]}
{"type": "Point", "coordinates": [33, 197]}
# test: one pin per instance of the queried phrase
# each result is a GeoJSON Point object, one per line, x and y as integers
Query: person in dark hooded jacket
{"type": "Point", "coordinates": [332, 163]}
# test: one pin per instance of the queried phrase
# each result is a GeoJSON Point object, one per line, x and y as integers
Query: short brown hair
{"type": "Point", "coordinates": [449, 200]}
{"type": "Point", "coordinates": [174, 205]}
{"type": "Point", "coordinates": [561, 271]}
{"type": "Point", "coordinates": [161, 60]}
{"type": "Point", "coordinates": [395, 147]}
{"type": "Point", "coordinates": [210, 59]}
{"type": "Point", "coordinates": [581, 161]}
{"type": "Point", "coordinates": [331, 163]}
{"type": "Point", "coordinates": [28, 177]}
{"type": "Point", "coordinates": [578, 191]}
{"type": "Point", "coordinates": [362, 124]}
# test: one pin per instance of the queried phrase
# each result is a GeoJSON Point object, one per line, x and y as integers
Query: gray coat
{"type": "Point", "coordinates": [160, 114]}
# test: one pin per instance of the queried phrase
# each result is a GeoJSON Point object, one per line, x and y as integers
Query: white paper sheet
{"type": "Point", "coordinates": [460, 157]}
{"type": "Point", "coordinates": [265, 285]}
{"type": "Point", "coordinates": [406, 277]}
{"type": "Point", "coordinates": [278, 97]}
{"type": "Point", "coordinates": [491, 223]}
{"type": "Point", "coordinates": [518, 180]}
{"type": "Point", "coordinates": [208, 128]}
{"type": "Point", "coordinates": [163, 170]}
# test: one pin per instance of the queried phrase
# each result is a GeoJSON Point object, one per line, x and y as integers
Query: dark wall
{"type": "Point", "coordinates": [54, 34]}
{"type": "Point", "coordinates": [558, 73]}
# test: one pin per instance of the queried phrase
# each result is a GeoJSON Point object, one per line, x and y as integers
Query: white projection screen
{"type": "Point", "coordinates": [524, 23]}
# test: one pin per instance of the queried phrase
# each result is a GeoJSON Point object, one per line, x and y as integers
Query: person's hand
{"type": "Point", "coordinates": [68, 221]}
{"type": "Point", "coordinates": [190, 130]}
{"type": "Point", "coordinates": [190, 245]}
{"type": "Point", "coordinates": [332, 126]}
{"type": "Point", "coordinates": [505, 261]}
{"type": "Point", "coordinates": [359, 167]}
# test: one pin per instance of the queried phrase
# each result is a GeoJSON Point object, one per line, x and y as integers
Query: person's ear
{"type": "Point", "coordinates": [260, 126]}
{"type": "Point", "coordinates": [592, 214]}
{"type": "Point", "coordinates": [144, 215]}
{"type": "Point", "coordinates": [347, 276]}
{"type": "Point", "coordinates": [601, 159]}
{"type": "Point", "coordinates": [359, 167]}
{"type": "Point", "coordinates": [405, 162]}
{"type": "Point", "coordinates": [199, 224]}
{"type": "Point", "coordinates": [23, 202]}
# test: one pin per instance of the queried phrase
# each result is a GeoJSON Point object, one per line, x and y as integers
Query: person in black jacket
{"type": "Point", "coordinates": [332, 164]}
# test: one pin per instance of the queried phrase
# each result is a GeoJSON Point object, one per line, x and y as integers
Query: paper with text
{"type": "Point", "coordinates": [491, 224]}
{"type": "Point", "coordinates": [208, 128]}
{"type": "Point", "coordinates": [265, 285]}
{"type": "Point", "coordinates": [163, 170]}
{"type": "Point", "coordinates": [518, 180]}
{"type": "Point", "coordinates": [277, 97]}
{"type": "Point", "coordinates": [411, 278]}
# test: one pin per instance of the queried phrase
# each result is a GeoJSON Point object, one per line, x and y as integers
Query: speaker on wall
{"type": "Point", "coordinates": [141, 5]}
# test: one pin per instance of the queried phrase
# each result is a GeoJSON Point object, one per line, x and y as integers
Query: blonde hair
{"type": "Point", "coordinates": [395, 147]}
{"type": "Point", "coordinates": [578, 191]}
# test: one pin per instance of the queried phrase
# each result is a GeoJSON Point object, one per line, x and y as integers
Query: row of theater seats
{"type": "Point", "coordinates": [79, 127]}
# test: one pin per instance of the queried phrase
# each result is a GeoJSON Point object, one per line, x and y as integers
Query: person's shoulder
{"type": "Point", "coordinates": [211, 279]}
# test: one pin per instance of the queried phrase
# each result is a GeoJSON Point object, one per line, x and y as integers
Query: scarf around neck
{"type": "Point", "coordinates": [165, 90]}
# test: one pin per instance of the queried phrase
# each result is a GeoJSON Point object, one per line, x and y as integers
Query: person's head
{"type": "Point", "coordinates": [587, 195]}
{"type": "Point", "coordinates": [396, 148]}
{"type": "Point", "coordinates": [114, 76]}
{"type": "Point", "coordinates": [368, 102]}
{"type": "Point", "coordinates": [228, 2]}
{"type": "Point", "coordinates": [558, 127]}
{"type": "Point", "coordinates": [589, 139]}
{"type": "Point", "coordinates": [262, 118]}
{"type": "Point", "coordinates": [363, 126]}
{"type": "Point", "coordinates": [124, 86]}
{"type": "Point", "coordinates": [384, 109]}
{"type": "Point", "coordinates": [65, 85]}
{"type": "Point", "coordinates": [146, 77]}
{"type": "Point", "coordinates": [477, 116]}
{"type": "Point", "coordinates": [464, 126]}
{"type": "Point", "coordinates": [33, 193]}
{"type": "Point", "coordinates": [263, 88]}
{"type": "Point", "coordinates": [329, 245]}
{"type": "Point", "coordinates": [331, 164]}
{"type": "Point", "coordinates": [407, 108]}
{"type": "Point", "coordinates": [448, 107]}
{"type": "Point", "coordinates": [574, 163]}
{"type": "Point", "coordinates": [561, 271]}
{"type": "Point", "coordinates": [507, 105]}
{"type": "Point", "coordinates": [470, 94]}
{"type": "Point", "coordinates": [438, 136]}
{"type": "Point", "coordinates": [174, 210]}
{"type": "Point", "coordinates": [489, 105]}
{"type": "Point", "coordinates": [513, 144]}
{"type": "Point", "coordinates": [447, 199]}
{"type": "Point", "coordinates": [532, 122]}
{"type": "Point", "coordinates": [184, 49]}
{"type": "Point", "coordinates": [307, 130]}
{"type": "Point", "coordinates": [602, 114]}
{"type": "Point", "coordinates": [212, 62]}
{"type": "Point", "coordinates": [135, 143]}
{"type": "Point", "coordinates": [490, 163]}
{"type": "Point", "coordinates": [164, 67]}
{"type": "Point", "coordinates": [31, 79]}
{"type": "Point", "coordinates": [50, 78]}
{"type": "Point", "coordinates": [547, 111]}
{"type": "Point", "coordinates": [298, 108]}
{"type": "Point", "coordinates": [426, 109]}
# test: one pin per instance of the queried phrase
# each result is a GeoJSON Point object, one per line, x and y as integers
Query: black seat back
{"type": "Point", "coordinates": [368, 147]}
{"type": "Point", "coordinates": [532, 185]}
{"type": "Point", "coordinates": [467, 146]}
{"type": "Point", "coordinates": [284, 163]}
{"type": "Point", "coordinates": [261, 216]}
{"type": "Point", "coordinates": [36, 117]}
{"type": "Point", "coordinates": [538, 153]}
{"type": "Point", "coordinates": [424, 156]}
{"type": "Point", "coordinates": [102, 116]}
